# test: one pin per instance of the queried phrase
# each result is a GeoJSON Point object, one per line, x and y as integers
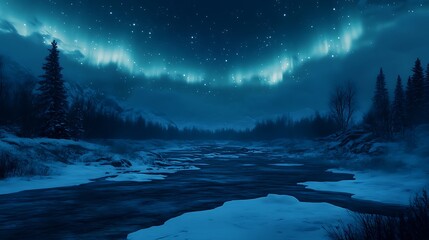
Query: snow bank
{"type": "Point", "coordinates": [398, 171]}
{"type": "Point", "coordinates": [273, 217]}
{"type": "Point", "coordinates": [79, 173]}
{"type": "Point", "coordinates": [68, 175]}
{"type": "Point", "coordinates": [396, 187]}
{"type": "Point", "coordinates": [136, 177]}
{"type": "Point", "coordinates": [69, 163]}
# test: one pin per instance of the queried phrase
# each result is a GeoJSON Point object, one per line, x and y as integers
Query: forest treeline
{"type": "Point", "coordinates": [408, 108]}
{"type": "Point", "coordinates": [41, 107]}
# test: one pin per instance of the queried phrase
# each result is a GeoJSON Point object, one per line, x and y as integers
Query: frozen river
{"type": "Point", "coordinates": [111, 210]}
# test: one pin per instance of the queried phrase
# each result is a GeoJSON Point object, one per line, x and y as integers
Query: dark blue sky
{"type": "Point", "coordinates": [220, 63]}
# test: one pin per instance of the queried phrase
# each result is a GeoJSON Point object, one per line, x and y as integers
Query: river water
{"type": "Point", "coordinates": [111, 210]}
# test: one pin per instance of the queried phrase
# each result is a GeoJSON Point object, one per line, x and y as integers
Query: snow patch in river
{"type": "Point", "coordinates": [275, 217]}
{"type": "Point", "coordinates": [136, 177]}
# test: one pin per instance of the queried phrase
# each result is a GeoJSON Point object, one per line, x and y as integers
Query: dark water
{"type": "Point", "coordinates": [111, 210]}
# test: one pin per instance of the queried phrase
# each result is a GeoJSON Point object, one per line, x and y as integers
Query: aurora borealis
{"type": "Point", "coordinates": [222, 62]}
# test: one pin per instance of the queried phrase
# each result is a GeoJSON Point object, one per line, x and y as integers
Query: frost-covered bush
{"type": "Point", "coordinates": [413, 224]}
{"type": "Point", "coordinates": [12, 166]}
{"type": "Point", "coordinates": [8, 165]}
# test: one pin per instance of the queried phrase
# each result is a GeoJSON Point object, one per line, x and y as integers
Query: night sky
{"type": "Point", "coordinates": [224, 62]}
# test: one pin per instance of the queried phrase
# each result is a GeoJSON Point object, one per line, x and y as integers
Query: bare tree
{"type": "Point", "coordinates": [342, 104]}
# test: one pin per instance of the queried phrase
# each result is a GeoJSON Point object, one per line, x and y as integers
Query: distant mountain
{"type": "Point", "coordinates": [15, 75]}
{"type": "Point", "coordinates": [112, 104]}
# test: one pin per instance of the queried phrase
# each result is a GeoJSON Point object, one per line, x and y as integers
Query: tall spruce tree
{"type": "Point", "coordinates": [418, 92]}
{"type": "Point", "coordinates": [381, 107]}
{"type": "Point", "coordinates": [398, 108]}
{"type": "Point", "coordinates": [52, 100]}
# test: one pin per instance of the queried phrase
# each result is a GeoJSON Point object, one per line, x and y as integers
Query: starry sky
{"type": "Point", "coordinates": [220, 63]}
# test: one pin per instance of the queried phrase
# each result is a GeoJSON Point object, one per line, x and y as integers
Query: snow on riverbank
{"type": "Point", "coordinates": [71, 175]}
{"type": "Point", "coordinates": [395, 187]}
{"type": "Point", "coordinates": [273, 217]}
{"type": "Point", "coordinates": [48, 163]}
{"type": "Point", "coordinates": [394, 175]}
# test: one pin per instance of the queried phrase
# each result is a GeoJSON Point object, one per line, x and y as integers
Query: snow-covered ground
{"type": "Point", "coordinates": [274, 217]}
{"type": "Point", "coordinates": [75, 174]}
{"type": "Point", "coordinates": [393, 187]}
{"type": "Point", "coordinates": [48, 163]}
{"type": "Point", "coordinates": [388, 172]}
{"type": "Point", "coordinates": [394, 176]}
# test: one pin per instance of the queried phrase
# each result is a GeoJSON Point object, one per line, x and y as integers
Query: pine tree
{"type": "Point", "coordinates": [381, 107]}
{"type": "Point", "coordinates": [398, 112]}
{"type": "Point", "coordinates": [52, 100]}
{"type": "Point", "coordinates": [418, 90]}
